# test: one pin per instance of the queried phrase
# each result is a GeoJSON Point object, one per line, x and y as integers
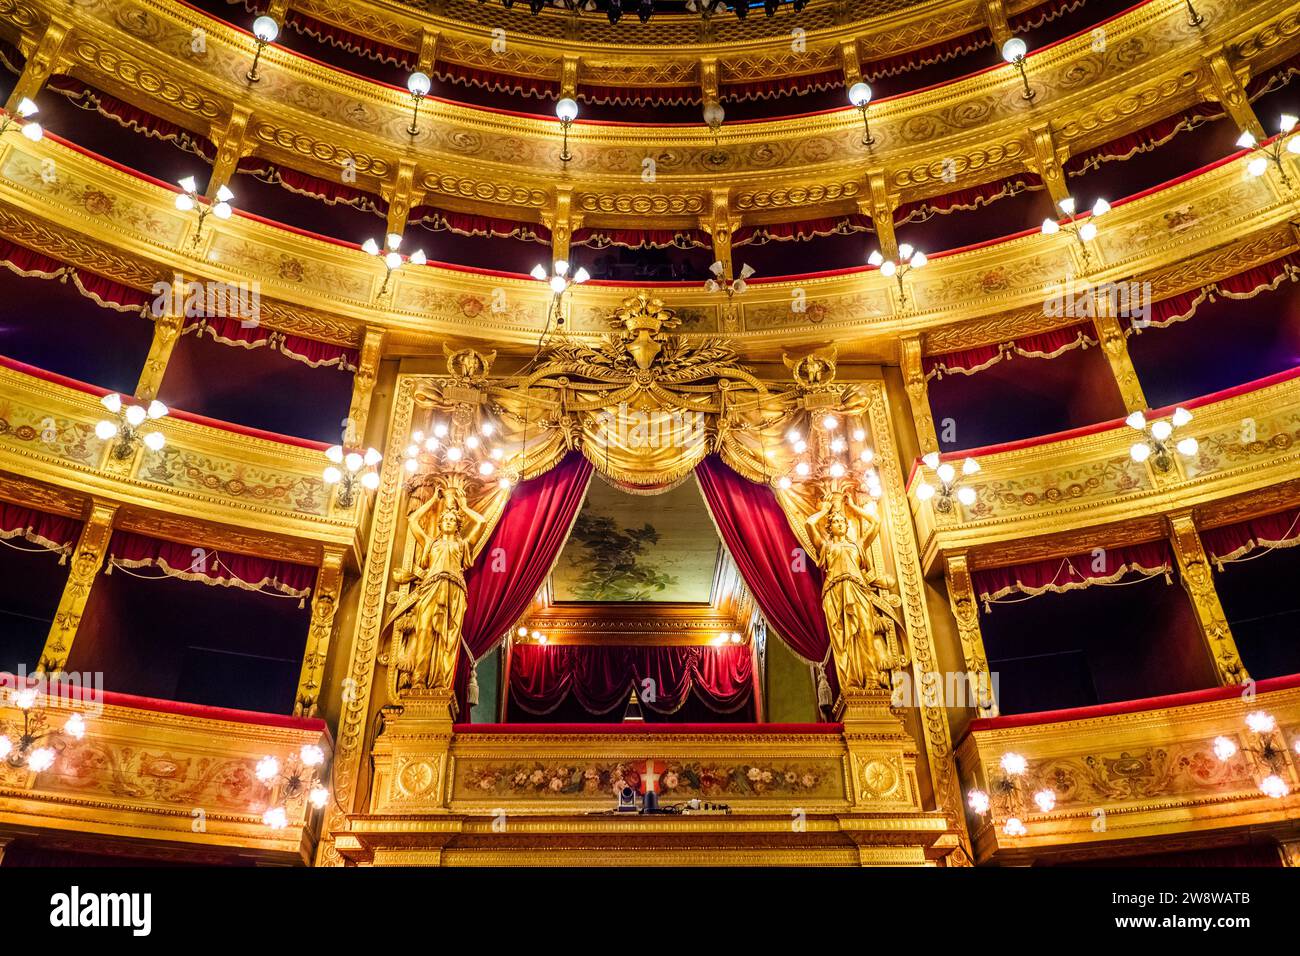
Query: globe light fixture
{"type": "Point", "coordinates": [948, 488]}
{"type": "Point", "coordinates": [560, 281]}
{"type": "Point", "coordinates": [351, 468]}
{"type": "Point", "coordinates": [1083, 230]}
{"type": "Point", "coordinates": [1010, 796]}
{"type": "Point", "coordinates": [1157, 439]}
{"type": "Point", "coordinates": [25, 109]}
{"type": "Point", "coordinates": [1014, 51]}
{"type": "Point", "coordinates": [126, 428]}
{"type": "Point", "coordinates": [566, 111]}
{"type": "Point", "coordinates": [714, 116]}
{"type": "Point", "coordinates": [1268, 751]}
{"type": "Point", "coordinates": [391, 257]}
{"type": "Point", "coordinates": [419, 85]}
{"type": "Point", "coordinates": [860, 97]}
{"type": "Point", "coordinates": [1273, 152]}
{"type": "Point", "coordinates": [720, 282]}
{"type": "Point", "coordinates": [908, 259]}
{"type": "Point", "coordinates": [301, 777]}
{"type": "Point", "coordinates": [188, 198]}
{"type": "Point", "coordinates": [31, 742]}
{"type": "Point", "coordinates": [265, 30]}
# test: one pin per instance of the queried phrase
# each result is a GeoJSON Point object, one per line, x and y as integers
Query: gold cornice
{"type": "Point", "coordinates": [304, 113]}
{"type": "Point", "coordinates": [99, 217]}
{"type": "Point", "coordinates": [1061, 497]}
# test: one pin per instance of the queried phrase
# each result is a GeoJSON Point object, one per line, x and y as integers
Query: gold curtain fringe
{"type": "Point", "coordinates": [994, 597]}
{"type": "Point", "coordinates": [42, 543]}
{"type": "Point", "coordinates": [268, 586]}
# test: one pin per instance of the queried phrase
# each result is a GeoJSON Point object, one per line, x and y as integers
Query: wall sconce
{"type": "Point", "coordinates": [359, 468]}
{"type": "Point", "coordinates": [189, 198]}
{"type": "Point", "coordinates": [34, 745]}
{"type": "Point", "coordinates": [126, 429]}
{"type": "Point", "coordinates": [1013, 51]}
{"type": "Point", "coordinates": [1156, 437]}
{"type": "Point", "coordinates": [300, 774]}
{"type": "Point", "coordinates": [392, 258]}
{"type": "Point", "coordinates": [714, 116]}
{"type": "Point", "coordinates": [419, 84]}
{"type": "Point", "coordinates": [566, 111]}
{"type": "Point", "coordinates": [560, 282]}
{"type": "Point", "coordinates": [1083, 232]}
{"type": "Point", "coordinates": [1273, 151]}
{"type": "Point", "coordinates": [1008, 799]}
{"type": "Point", "coordinates": [909, 259]}
{"type": "Point", "coordinates": [32, 130]}
{"type": "Point", "coordinates": [1269, 750]}
{"type": "Point", "coordinates": [947, 490]}
{"type": "Point", "coordinates": [860, 97]}
{"type": "Point", "coordinates": [265, 30]}
{"type": "Point", "coordinates": [720, 283]}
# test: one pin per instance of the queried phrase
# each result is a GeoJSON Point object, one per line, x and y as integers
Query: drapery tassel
{"type": "Point", "coordinates": [471, 692]}
{"type": "Point", "coordinates": [302, 603]}
{"type": "Point", "coordinates": [1169, 578]}
{"type": "Point", "coordinates": [988, 606]}
{"type": "Point", "coordinates": [63, 556]}
{"type": "Point", "coordinates": [109, 568]}
{"type": "Point", "coordinates": [824, 698]}
{"type": "Point", "coordinates": [1218, 563]}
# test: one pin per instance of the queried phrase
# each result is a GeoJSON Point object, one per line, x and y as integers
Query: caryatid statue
{"type": "Point", "coordinates": [429, 619]}
{"type": "Point", "coordinates": [858, 616]}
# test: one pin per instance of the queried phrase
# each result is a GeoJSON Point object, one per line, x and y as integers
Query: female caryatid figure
{"type": "Point", "coordinates": [444, 550]}
{"type": "Point", "coordinates": [861, 632]}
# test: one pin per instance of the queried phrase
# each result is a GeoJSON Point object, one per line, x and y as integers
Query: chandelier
{"type": "Point", "coordinates": [265, 30]}
{"type": "Point", "coordinates": [419, 85]}
{"type": "Point", "coordinates": [1156, 438]}
{"type": "Point", "coordinates": [300, 774]}
{"type": "Point", "coordinates": [1014, 51]}
{"type": "Point", "coordinates": [26, 108]}
{"type": "Point", "coordinates": [1011, 796]}
{"type": "Point", "coordinates": [860, 97]}
{"type": "Point", "coordinates": [908, 259]}
{"type": "Point", "coordinates": [732, 287]}
{"type": "Point", "coordinates": [359, 468]}
{"type": "Point", "coordinates": [460, 445]}
{"type": "Point", "coordinates": [1272, 153]}
{"type": "Point", "coordinates": [126, 425]}
{"type": "Point", "coordinates": [34, 745]}
{"type": "Point", "coordinates": [392, 259]}
{"type": "Point", "coordinates": [1268, 748]}
{"type": "Point", "coordinates": [189, 198]}
{"type": "Point", "coordinates": [1083, 232]}
{"type": "Point", "coordinates": [948, 488]}
{"type": "Point", "coordinates": [826, 454]}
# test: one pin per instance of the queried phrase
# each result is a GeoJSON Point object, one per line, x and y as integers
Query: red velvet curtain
{"type": "Point", "coordinates": [971, 198]}
{"type": "Point", "coordinates": [786, 582]}
{"type": "Point", "coordinates": [466, 224]}
{"type": "Point", "coordinates": [352, 42]}
{"type": "Point", "coordinates": [210, 566]}
{"type": "Point", "coordinates": [600, 677]}
{"type": "Point", "coordinates": [766, 89]}
{"type": "Point", "coordinates": [497, 82]}
{"type": "Point", "coordinates": [802, 230]}
{"type": "Point", "coordinates": [52, 532]}
{"type": "Point", "coordinates": [641, 238]}
{"type": "Point", "coordinates": [1102, 566]}
{"type": "Point", "coordinates": [232, 331]}
{"type": "Point", "coordinates": [927, 55]}
{"type": "Point", "coordinates": [518, 556]}
{"type": "Point", "coordinates": [639, 96]}
{"type": "Point", "coordinates": [1281, 530]}
{"type": "Point", "coordinates": [134, 119]}
{"type": "Point", "coordinates": [1040, 345]}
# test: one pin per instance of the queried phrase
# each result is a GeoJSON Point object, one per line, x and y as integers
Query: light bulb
{"type": "Point", "coordinates": [1188, 447]}
{"type": "Point", "coordinates": [860, 94]}
{"type": "Point", "coordinates": [266, 29]}
{"type": "Point", "coordinates": [331, 475]}
{"type": "Point", "coordinates": [800, 447]}
{"type": "Point", "coordinates": [411, 465]}
{"type": "Point", "coordinates": [6, 745]}
{"type": "Point", "coordinates": [498, 454]}
{"type": "Point", "coordinates": [1293, 145]}
{"type": "Point", "coordinates": [966, 495]}
{"type": "Point", "coordinates": [1162, 430]}
{"type": "Point", "coordinates": [440, 430]}
{"type": "Point", "coordinates": [714, 114]}
{"type": "Point", "coordinates": [1261, 722]}
{"type": "Point", "coordinates": [370, 480]}
{"type": "Point", "coordinates": [224, 194]}
{"type": "Point", "coordinates": [784, 483]}
{"type": "Point", "coordinates": [1014, 49]}
{"type": "Point", "coordinates": [455, 454]}
{"type": "Point", "coordinates": [275, 818]}
{"type": "Point", "coordinates": [393, 240]}
{"type": "Point", "coordinates": [27, 108]}
{"type": "Point", "coordinates": [830, 423]}
{"type": "Point", "coordinates": [1287, 123]}
{"type": "Point", "coordinates": [40, 759]}
{"type": "Point", "coordinates": [393, 260]}
{"type": "Point", "coordinates": [802, 469]}
{"type": "Point", "coordinates": [918, 260]}
{"type": "Point", "coordinates": [268, 768]}
{"type": "Point", "coordinates": [1140, 452]}
{"type": "Point", "coordinates": [1136, 420]}
{"type": "Point", "coordinates": [157, 409]}
{"type": "Point", "coordinates": [946, 472]}
{"type": "Point", "coordinates": [75, 727]}
{"type": "Point", "coordinates": [486, 468]}
{"type": "Point", "coordinates": [1013, 764]}
{"type": "Point", "coordinates": [155, 441]}
{"type": "Point", "coordinates": [970, 467]}
{"type": "Point", "coordinates": [566, 110]}
{"type": "Point", "coordinates": [558, 284]}
{"type": "Point", "coordinates": [487, 428]}
{"type": "Point", "coordinates": [1181, 417]}
{"type": "Point", "coordinates": [1246, 140]}
{"type": "Point", "coordinates": [538, 273]}
{"type": "Point", "coordinates": [1045, 799]}
{"type": "Point", "coordinates": [335, 454]}
{"type": "Point", "coordinates": [504, 484]}
{"type": "Point", "coordinates": [867, 456]}
{"type": "Point", "coordinates": [1088, 231]}
{"type": "Point", "coordinates": [419, 83]}
{"type": "Point", "coordinates": [222, 210]}
{"type": "Point", "coordinates": [188, 184]}
{"type": "Point", "coordinates": [25, 699]}
{"type": "Point", "coordinates": [888, 268]}
{"type": "Point", "coordinates": [1014, 827]}
{"type": "Point", "coordinates": [875, 259]}
{"type": "Point", "coordinates": [105, 430]}
{"type": "Point", "coordinates": [978, 801]}
{"type": "Point", "coordinates": [1050, 226]}
{"type": "Point", "coordinates": [838, 445]}
{"type": "Point", "coordinates": [837, 470]}
{"type": "Point", "coordinates": [471, 442]}
{"type": "Point", "coordinates": [1224, 748]}
{"type": "Point", "coordinates": [370, 247]}
{"type": "Point", "coordinates": [353, 462]}
{"type": "Point", "coordinates": [1257, 166]}
{"type": "Point", "coordinates": [905, 251]}
{"type": "Point", "coordinates": [931, 460]}
{"type": "Point", "coordinates": [135, 415]}
{"type": "Point", "coordinates": [34, 132]}
{"type": "Point", "coordinates": [793, 436]}
{"type": "Point", "coordinates": [112, 401]}
{"type": "Point", "coordinates": [417, 258]}
{"type": "Point", "coordinates": [859, 434]}
{"type": "Point", "coordinates": [311, 755]}
{"type": "Point", "coordinates": [925, 491]}
{"type": "Point", "coordinates": [184, 203]}
{"type": "Point", "coordinates": [581, 276]}
{"type": "Point", "coordinates": [319, 796]}
{"type": "Point", "coordinates": [1067, 205]}
{"type": "Point", "coordinates": [1271, 786]}
{"type": "Point", "coordinates": [372, 456]}
{"type": "Point", "coordinates": [1100, 207]}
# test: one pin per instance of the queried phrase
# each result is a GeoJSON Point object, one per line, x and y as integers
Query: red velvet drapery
{"type": "Point", "coordinates": [1235, 541]}
{"type": "Point", "coordinates": [518, 556]}
{"type": "Point", "coordinates": [231, 331]}
{"type": "Point", "coordinates": [600, 677]}
{"type": "Point", "coordinates": [51, 532]}
{"type": "Point", "coordinates": [1102, 566]}
{"type": "Point", "coordinates": [786, 582]}
{"type": "Point", "coordinates": [209, 566]}
{"type": "Point", "coordinates": [1048, 344]}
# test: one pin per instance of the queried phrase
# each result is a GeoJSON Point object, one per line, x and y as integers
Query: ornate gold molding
{"type": "Point", "coordinates": [1198, 581]}
{"type": "Point", "coordinates": [87, 559]}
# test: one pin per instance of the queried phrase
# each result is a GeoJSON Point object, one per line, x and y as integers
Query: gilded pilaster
{"type": "Point", "coordinates": [569, 76]}
{"type": "Point", "coordinates": [1290, 852]}
{"type": "Point", "coordinates": [851, 61]}
{"type": "Point", "coordinates": [231, 148]}
{"type": "Point", "coordinates": [401, 195]}
{"type": "Point", "coordinates": [562, 219]}
{"type": "Point", "coordinates": [86, 562]}
{"type": "Point", "coordinates": [995, 15]}
{"type": "Point", "coordinates": [363, 385]}
{"type": "Point", "coordinates": [44, 58]}
{"type": "Point", "coordinates": [918, 393]}
{"type": "Point", "coordinates": [428, 50]}
{"type": "Point", "coordinates": [167, 327]}
{"type": "Point", "coordinates": [709, 80]}
{"type": "Point", "coordinates": [965, 609]}
{"type": "Point", "coordinates": [1225, 87]}
{"type": "Point", "coordinates": [324, 605]}
{"type": "Point", "coordinates": [1047, 159]}
{"type": "Point", "coordinates": [278, 10]}
{"type": "Point", "coordinates": [879, 205]}
{"type": "Point", "coordinates": [1115, 347]}
{"type": "Point", "coordinates": [719, 224]}
{"type": "Point", "coordinates": [1198, 580]}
